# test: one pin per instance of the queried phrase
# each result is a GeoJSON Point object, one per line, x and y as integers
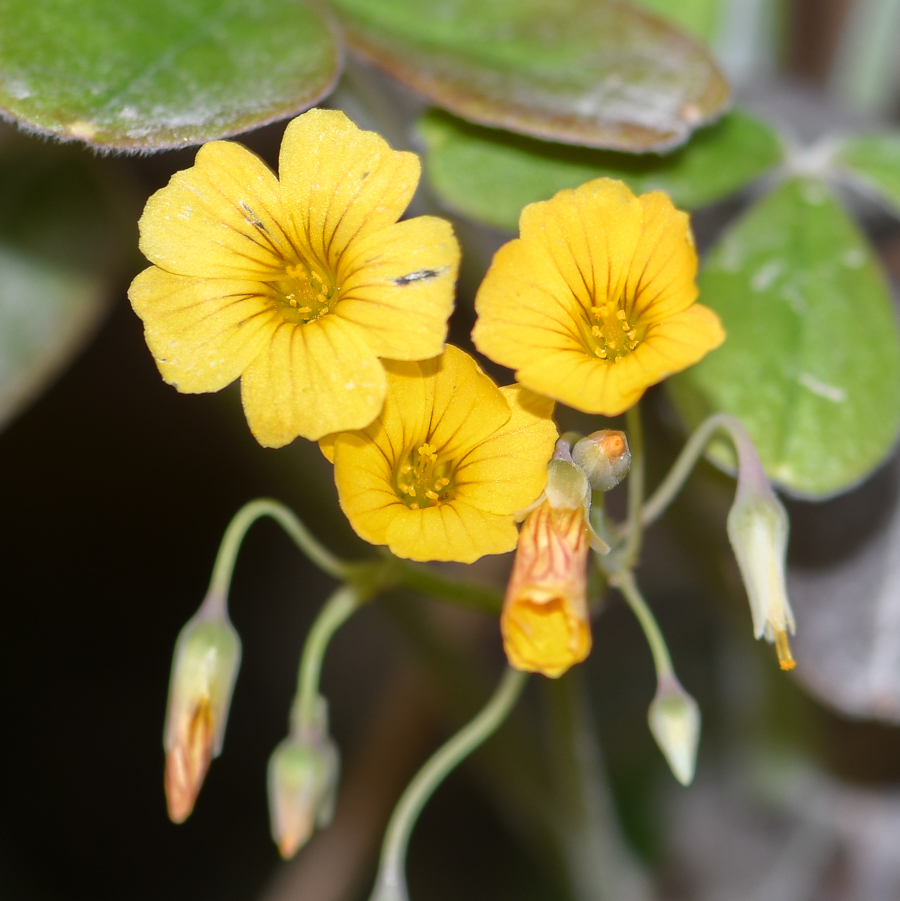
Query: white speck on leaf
{"type": "Point", "coordinates": [822, 389]}
{"type": "Point", "coordinates": [766, 275]}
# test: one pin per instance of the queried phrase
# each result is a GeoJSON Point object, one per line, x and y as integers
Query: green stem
{"type": "Point", "coordinates": [635, 489]}
{"type": "Point", "coordinates": [302, 537]}
{"type": "Point", "coordinates": [335, 612]}
{"type": "Point", "coordinates": [624, 581]}
{"type": "Point", "coordinates": [426, 580]}
{"type": "Point", "coordinates": [687, 460]}
{"type": "Point", "coordinates": [390, 884]}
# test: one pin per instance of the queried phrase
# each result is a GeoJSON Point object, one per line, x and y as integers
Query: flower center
{"type": "Point", "coordinates": [424, 480]}
{"type": "Point", "coordinates": [613, 335]}
{"type": "Point", "coordinates": [304, 294]}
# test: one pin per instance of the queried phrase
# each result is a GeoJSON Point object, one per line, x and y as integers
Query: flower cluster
{"type": "Point", "coordinates": [333, 314]}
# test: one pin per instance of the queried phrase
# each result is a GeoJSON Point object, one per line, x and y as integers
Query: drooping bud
{"type": "Point", "coordinates": [545, 622]}
{"type": "Point", "coordinates": [204, 668]}
{"type": "Point", "coordinates": [674, 719]}
{"type": "Point", "coordinates": [605, 458]}
{"type": "Point", "coordinates": [303, 779]}
{"type": "Point", "coordinates": [758, 531]}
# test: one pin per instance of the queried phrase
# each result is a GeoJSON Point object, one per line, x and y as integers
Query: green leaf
{"type": "Point", "coordinates": [489, 175]}
{"type": "Point", "coordinates": [63, 237]}
{"type": "Point", "coordinates": [875, 161]}
{"type": "Point", "coordinates": [598, 73]}
{"type": "Point", "coordinates": [149, 74]}
{"type": "Point", "coordinates": [699, 17]}
{"type": "Point", "coordinates": [811, 364]}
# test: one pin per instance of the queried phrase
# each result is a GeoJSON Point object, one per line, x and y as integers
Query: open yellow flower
{"type": "Point", "coordinates": [594, 302]}
{"type": "Point", "coordinates": [451, 458]}
{"type": "Point", "coordinates": [296, 285]}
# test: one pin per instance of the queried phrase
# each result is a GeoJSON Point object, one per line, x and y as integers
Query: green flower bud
{"type": "Point", "coordinates": [567, 486]}
{"type": "Point", "coordinates": [758, 532]}
{"type": "Point", "coordinates": [605, 458]}
{"type": "Point", "coordinates": [303, 779]}
{"type": "Point", "coordinates": [674, 719]}
{"type": "Point", "coordinates": [204, 668]}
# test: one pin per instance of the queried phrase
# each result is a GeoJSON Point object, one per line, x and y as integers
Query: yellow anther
{"type": "Point", "coordinates": [405, 468]}
{"type": "Point", "coordinates": [432, 496]}
{"type": "Point", "coordinates": [411, 490]}
{"type": "Point", "coordinates": [413, 506]}
{"type": "Point", "coordinates": [595, 331]}
{"type": "Point", "coordinates": [783, 648]}
{"type": "Point", "coordinates": [620, 314]}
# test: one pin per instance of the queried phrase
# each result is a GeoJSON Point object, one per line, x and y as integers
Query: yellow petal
{"type": "Point", "coordinates": [679, 342]}
{"type": "Point", "coordinates": [545, 637]}
{"type": "Point", "coordinates": [364, 477]}
{"type": "Point", "coordinates": [663, 265]}
{"type": "Point", "coordinates": [523, 305]}
{"type": "Point", "coordinates": [326, 445]}
{"type": "Point", "coordinates": [454, 531]}
{"type": "Point", "coordinates": [311, 380]}
{"type": "Point", "coordinates": [398, 284]}
{"type": "Point", "coordinates": [220, 218]}
{"type": "Point", "coordinates": [202, 332]}
{"type": "Point", "coordinates": [466, 406]}
{"type": "Point", "coordinates": [591, 234]}
{"type": "Point", "coordinates": [569, 376]}
{"type": "Point", "coordinates": [506, 472]}
{"type": "Point", "coordinates": [340, 183]}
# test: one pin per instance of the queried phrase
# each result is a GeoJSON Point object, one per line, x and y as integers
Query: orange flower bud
{"type": "Point", "coordinates": [545, 622]}
{"type": "Point", "coordinates": [205, 665]}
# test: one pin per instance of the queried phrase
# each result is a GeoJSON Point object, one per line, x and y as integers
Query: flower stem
{"type": "Point", "coordinates": [302, 537]}
{"type": "Point", "coordinates": [635, 490]}
{"type": "Point", "coordinates": [687, 460]}
{"type": "Point", "coordinates": [390, 884]}
{"type": "Point", "coordinates": [624, 581]}
{"type": "Point", "coordinates": [462, 594]}
{"type": "Point", "coordinates": [335, 612]}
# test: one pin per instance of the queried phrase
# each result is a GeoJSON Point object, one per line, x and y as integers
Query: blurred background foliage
{"type": "Point", "coordinates": [115, 490]}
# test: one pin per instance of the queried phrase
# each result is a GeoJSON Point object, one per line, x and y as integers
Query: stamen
{"type": "Point", "coordinates": [614, 336]}
{"type": "Point", "coordinates": [421, 478]}
{"type": "Point", "coordinates": [783, 648]}
{"type": "Point", "coordinates": [303, 294]}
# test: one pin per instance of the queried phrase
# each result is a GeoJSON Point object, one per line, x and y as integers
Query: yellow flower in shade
{"type": "Point", "coordinates": [594, 302]}
{"type": "Point", "coordinates": [545, 622]}
{"type": "Point", "coordinates": [297, 284]}
{"type": "Point", "coordinates": [451, 458]}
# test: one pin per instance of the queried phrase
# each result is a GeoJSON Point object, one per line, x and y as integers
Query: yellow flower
{"type": "Point", "coordinates": [545, 621]}
{"type": "Point", "coordinates": [594, 302]}
{"type": "Point", "coordinates": [297, 285]}
{"type": "Point", "coordinates": [439, 475]}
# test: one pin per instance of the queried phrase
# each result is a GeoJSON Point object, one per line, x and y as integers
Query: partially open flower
{"type": "Point", "coordinates": [204, 668]}
{"type": "Point", "coordinates": [545, 623]}
{"type": "Point", "coordinates": [298, 283]}
{"type": "Point", "coordinates": [450, 460]}
{"type": "Point", "coordinates": [594, 302]}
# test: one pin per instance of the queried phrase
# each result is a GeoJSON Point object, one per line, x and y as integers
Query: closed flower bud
{"type": "Point", "coordinates": [205, 665]}
{"type": "Point", "coordinates": [567, 485]}
{"type": "Point", "coordinates": [758, 532]}
{"type": "Point", "coordinates": [605, 458]}
{"type": "Point", "coordinates": [303, 777]}
{"type": "Point", "coordinates": [544, 621]}
{"type": "Point", "coordinates": [674, 719]}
